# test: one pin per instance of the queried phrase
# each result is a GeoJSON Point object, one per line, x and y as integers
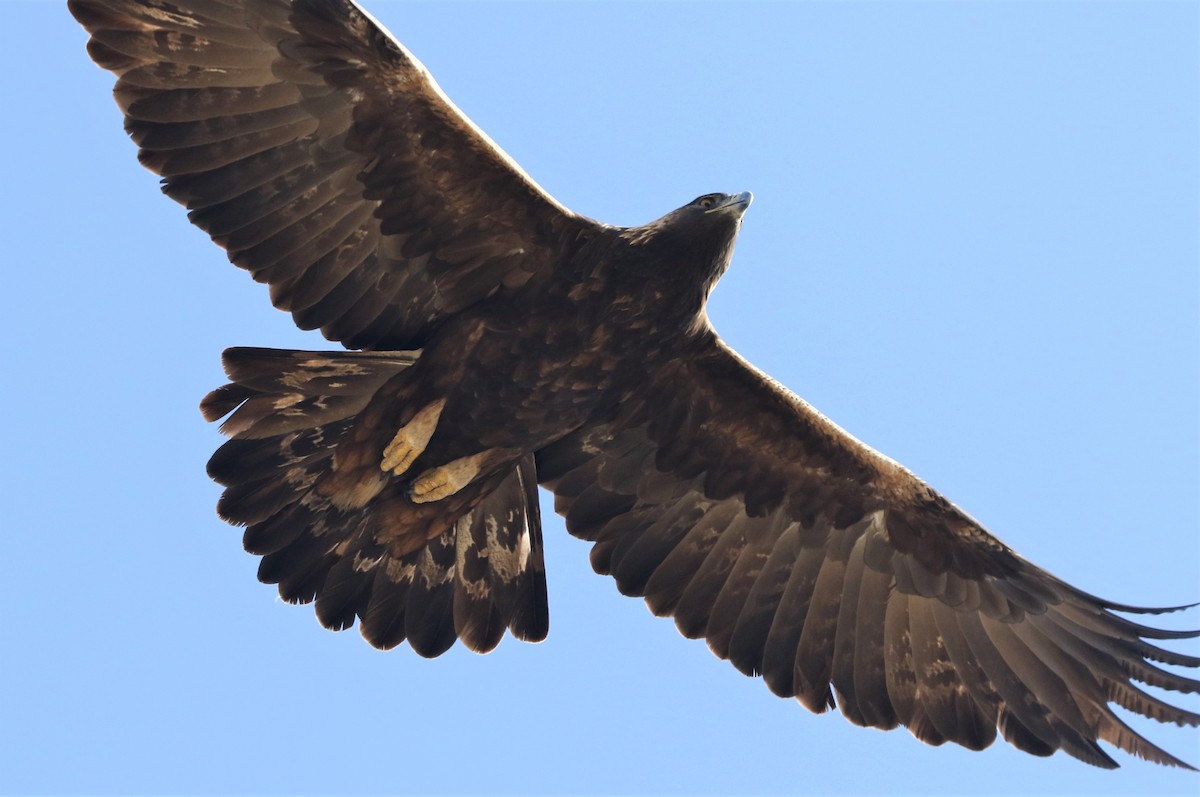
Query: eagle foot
{"type": "Point", "coordinates": [411, 439]}
{"type": "Point", "coordinates": [438, 483]}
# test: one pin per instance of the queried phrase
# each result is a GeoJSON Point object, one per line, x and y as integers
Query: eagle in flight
{"type": "Point", "coordinates": [496, 341]}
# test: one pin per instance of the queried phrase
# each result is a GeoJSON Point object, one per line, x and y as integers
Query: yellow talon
{"type": "Point", "coordinates": [438, 483]}
{"type": "Point", "coordinates": [411, 439]}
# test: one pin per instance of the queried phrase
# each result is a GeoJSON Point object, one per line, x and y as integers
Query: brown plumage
{"type": "Point", "coordinates": [506, 341]}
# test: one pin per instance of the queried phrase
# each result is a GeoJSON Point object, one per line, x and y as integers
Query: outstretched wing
{"type": "Point", "coordinates": [323, 157]}
{"type": "Point", "coordinates": [803, 556]}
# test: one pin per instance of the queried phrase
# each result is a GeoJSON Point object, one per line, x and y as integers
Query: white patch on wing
{"type": "Point", "coordinates": [170, 18]}
{"type": "Point", "coordinates": [397, 571]}
{"type": "Point", "coordinates": [507, 564]}
{"type": "Point", "coordinates": [463, 543]}
{"type": "Point", "coordinates": [287, 400]}
{"type": "Point", "coordinates": [431, 572]}
{"type": "Point", "coordinates": [300, 478]}
{"type": "Point", "coordinates": [365, 564]}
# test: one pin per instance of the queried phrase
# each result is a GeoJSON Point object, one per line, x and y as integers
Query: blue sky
{"type": "Point", "coordinates": [973, 245]}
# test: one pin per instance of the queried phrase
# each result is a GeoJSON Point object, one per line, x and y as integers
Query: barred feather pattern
{"type": "Point", "coordinates": [287, 410]}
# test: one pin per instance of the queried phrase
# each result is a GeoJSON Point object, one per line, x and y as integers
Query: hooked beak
{"type": "Point", "coordinates": [736, 203]}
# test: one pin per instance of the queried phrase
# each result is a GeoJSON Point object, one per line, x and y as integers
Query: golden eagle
{"type": "Point", "coordinates": [498, 340]}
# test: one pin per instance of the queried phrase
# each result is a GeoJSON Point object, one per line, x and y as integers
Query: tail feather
{"type": "Point", "coordinates": [253, 502]}
{"type": "Point", "coordinates": [276, 533]}
{"type": "Point", "coordinates": [517, 570]}
{"type": "Point", "coordinates": [223, 401]}
{"type": "Point", "coordinates": [344, 595]}
{"type": "Point", "coordinates": [273, 392]}
{"type": "Point", "coordinates": [383, 621]}
{"type": "Point", "coordinates": [428, 617]}
{"type": "Point", "coordinates": [501, 574]}
{"type": "Point", "coordinates": [288, 410]}
{"type": "Point", "coordinates": [242, 460]}
{"type": "Point", "coordinates": [314, 373]}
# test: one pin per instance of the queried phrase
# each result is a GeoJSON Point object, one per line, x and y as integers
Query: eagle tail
{"type": "Point", "coordinates": [482, 574]}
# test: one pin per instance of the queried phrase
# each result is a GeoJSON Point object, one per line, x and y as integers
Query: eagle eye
{"type": "Point", "coordinates": [708, 200]}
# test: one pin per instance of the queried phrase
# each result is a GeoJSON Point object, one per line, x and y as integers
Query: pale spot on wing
{"type": "Point", "coordinates": [168, 18]}
{"type": "Point", "coordinates": [508, 564]}
{"type": "Point", "coordinates": [430, 571]}
{"type": "Point", "coordinates": [287, 400]}
{"type": "Point", "coordinates": [300, 478]}
{"type": "Point", "coordinates": [398, 570]}
{"type": "Point", "coordinates": [365, 564]}
{"type": "Point", "coordinates": [477, 589]}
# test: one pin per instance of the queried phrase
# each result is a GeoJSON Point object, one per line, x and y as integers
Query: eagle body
{"type": "Point", "coordinates": [495, 340]}
{"type": "Point", "coordinates": [555, 356]}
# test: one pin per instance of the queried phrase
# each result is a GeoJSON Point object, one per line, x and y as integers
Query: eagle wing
{"type": "Point", "coordinates": [802, 555]}
{"type": "Point", "coordinates": [324, 158]}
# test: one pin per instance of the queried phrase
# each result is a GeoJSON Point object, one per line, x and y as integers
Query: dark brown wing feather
{"type": "Point", "coordinates": [805, 557]}
{"type": "Point", "coordinates": [319, 152]}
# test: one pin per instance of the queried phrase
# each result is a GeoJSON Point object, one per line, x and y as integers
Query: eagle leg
{"type": "Point", "coordinates": [446, 480]}
{"type": "Point", "coordinates": [411, 439]}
